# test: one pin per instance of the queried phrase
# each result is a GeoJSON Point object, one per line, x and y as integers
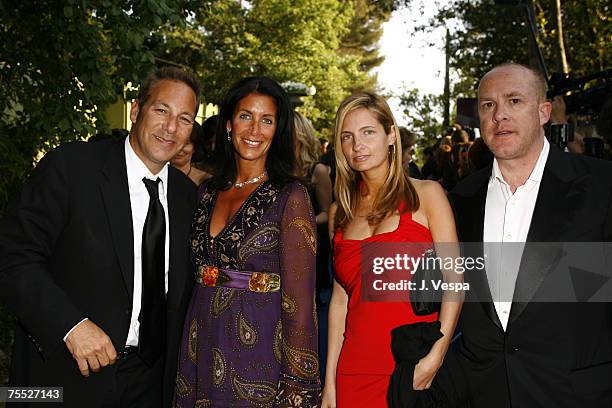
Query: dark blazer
{"type": "Point", "coordinates": [552, 354]}
{"type": "Point", "coordinates": [67, 253]}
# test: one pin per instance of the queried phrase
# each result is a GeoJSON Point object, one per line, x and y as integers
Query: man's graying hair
{"type": "Point", "coordinates": [171, 74]}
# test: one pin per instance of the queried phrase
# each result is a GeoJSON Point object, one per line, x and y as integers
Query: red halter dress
{"type": "Point", "coordinates": [366, 363]}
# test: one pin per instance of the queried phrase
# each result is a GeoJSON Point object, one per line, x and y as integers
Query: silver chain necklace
{"type": "Point", "coordinates": [254, 180]}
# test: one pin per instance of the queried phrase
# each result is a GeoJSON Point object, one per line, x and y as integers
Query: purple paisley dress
{"type": "Point", "coordinates": [253, 349]}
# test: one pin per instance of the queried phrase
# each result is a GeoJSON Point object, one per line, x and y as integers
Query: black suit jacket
{"type": "Point", "coordinates": [67, 254]}
{"type": "Point", "coordinates": [551, 354]}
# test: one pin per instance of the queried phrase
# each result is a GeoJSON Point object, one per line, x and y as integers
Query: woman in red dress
{"type": "Point", "coordinates": [377, 202]}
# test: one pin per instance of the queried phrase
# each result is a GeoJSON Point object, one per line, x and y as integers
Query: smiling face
{"type": "Point", "coordinates": [252, 127]}
{"type": "Point", "coordinates": [512, 112]}
{"type": "Point", "coordinates": [162, 126]}
{"type": "Point", "coordinates": [364, 143]}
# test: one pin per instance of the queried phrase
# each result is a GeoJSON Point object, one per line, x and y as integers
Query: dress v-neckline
{"type": "Point", "coordinates": [231, 219]}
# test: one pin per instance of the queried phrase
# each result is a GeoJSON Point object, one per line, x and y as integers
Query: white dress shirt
{"type": "Point", "coordinates": [139, 201]}
{"type": "Point", "coordinates": [507, 220]}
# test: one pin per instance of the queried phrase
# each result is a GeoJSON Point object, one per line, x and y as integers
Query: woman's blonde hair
{"type": "Point", "coordinates": [396, 188]}
{"type": "Point", "coordinates": [308, 147]}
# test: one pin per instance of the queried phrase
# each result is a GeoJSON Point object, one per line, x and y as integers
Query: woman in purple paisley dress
{"type": "Point", "coordinates": [250, 335]}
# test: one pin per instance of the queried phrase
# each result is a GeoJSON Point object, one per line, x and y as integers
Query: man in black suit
{"type": "Point", "coordinates": [95, 258]}
{"type": "Point", "coordinates": [518, 351]}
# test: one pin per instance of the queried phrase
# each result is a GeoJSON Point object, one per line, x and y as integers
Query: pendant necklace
{"type": "Point", "coordinates": [254, 180]}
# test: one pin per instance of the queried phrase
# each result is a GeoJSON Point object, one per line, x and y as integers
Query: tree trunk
{"type": "Point", "coordinates": [562, 58]}
{"type": "Point", "coordinates": [447, 82]}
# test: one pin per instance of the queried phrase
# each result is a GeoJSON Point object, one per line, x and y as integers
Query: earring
{"type": "Point", "coordinates": [229, 137]}
{"type": "Point", "coordinates": [392, 150]}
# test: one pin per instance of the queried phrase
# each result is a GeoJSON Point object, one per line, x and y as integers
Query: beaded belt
{"type": "Point", "coordinates": [229, 278]}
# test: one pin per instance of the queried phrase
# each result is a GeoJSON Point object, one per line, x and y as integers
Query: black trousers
{"type": "Point", "coordinates": [136, 385]}
{"type": "Point", "coordinates": [132, 385]}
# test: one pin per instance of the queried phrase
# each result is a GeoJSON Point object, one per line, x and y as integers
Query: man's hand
{"type": "Point", "coordinates": [90, 347]}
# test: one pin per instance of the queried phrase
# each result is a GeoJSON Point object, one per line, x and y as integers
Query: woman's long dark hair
{"type": "Point", "coordinates": [280, 161]}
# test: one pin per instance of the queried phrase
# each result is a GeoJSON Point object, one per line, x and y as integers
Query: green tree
{"type": "Point", "coordinates": [486, 35]}
{"type": "Point", "coordinates": [587, 31]}
{"type": "Point", "coordinates": [424, 113]}
{"type": "Point", "coordinates": [62, 64]}
{"type": "Point", "coordinates": [298, 41]}
{"type": "Point", "coordinates": [365, 30]}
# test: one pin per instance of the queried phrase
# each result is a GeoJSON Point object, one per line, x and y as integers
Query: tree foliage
{"type": "Point", "coordinates": [365, 30]}
{"type": "Point", "coordinates": [424, 113]}
{"type": "Point", "coordinates": [303, 41]}
{"type": "Point", "coordinates": [587, 26]}
{"type": "Point", "coordinates": [62, 64]}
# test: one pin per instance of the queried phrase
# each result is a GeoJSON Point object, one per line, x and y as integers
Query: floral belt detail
{"type": "Point", "coordinates": [254, 281]}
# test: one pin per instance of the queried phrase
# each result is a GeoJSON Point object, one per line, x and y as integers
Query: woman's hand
{"type": "Point", "coordinates": [425, 371]}
{"type": "Point", "coordinates": [329, 397]}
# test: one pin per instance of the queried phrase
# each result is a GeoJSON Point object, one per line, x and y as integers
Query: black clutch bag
{"type": "Point", "coordinates": [426, 296]}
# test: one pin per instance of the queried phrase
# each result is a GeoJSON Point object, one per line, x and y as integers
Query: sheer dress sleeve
{"type": "Point", "coordinates": [299, 384]}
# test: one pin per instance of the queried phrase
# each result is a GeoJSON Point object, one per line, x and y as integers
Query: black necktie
{"type": "Point", "coordinates": [151, 339]}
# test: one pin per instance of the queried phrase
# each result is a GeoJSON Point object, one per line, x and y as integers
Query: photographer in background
{"type": "Point", "coordinates": [562, 129]}
{"type": "Point", "coordinates": [578, 134]}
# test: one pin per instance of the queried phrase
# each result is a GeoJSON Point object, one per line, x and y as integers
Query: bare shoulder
{"type": "Point", "coordinates": [320, 170]}
{"type": "Point", "coordinates": [434, 206]}
{"type": "Point", "coordinates": [432, 196]}
{"type": "Point", "coordinates": [428, 189]}
{"type": "Point", "coordinates": [320, 175]}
